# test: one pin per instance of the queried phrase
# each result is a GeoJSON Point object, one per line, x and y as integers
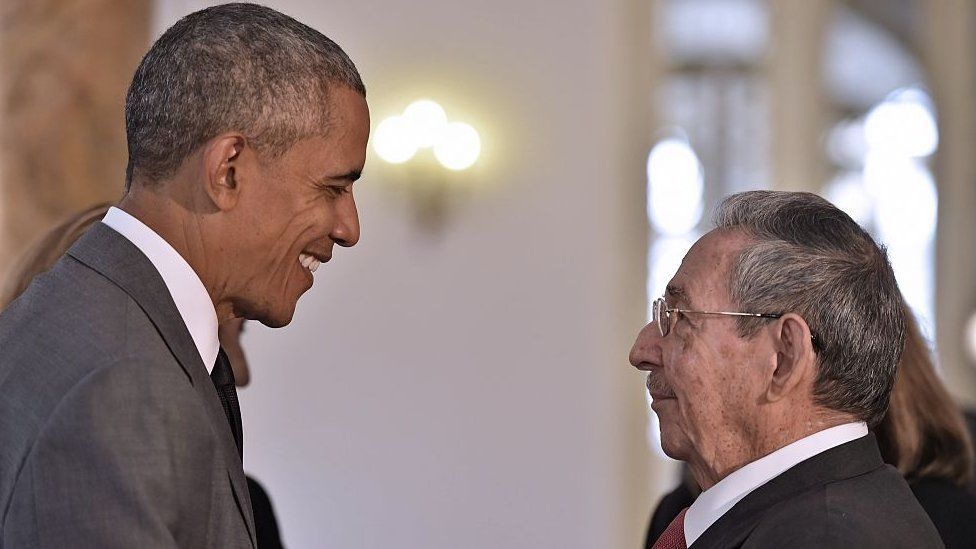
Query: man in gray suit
{"type": "Point", "coordinates": [119, 425]}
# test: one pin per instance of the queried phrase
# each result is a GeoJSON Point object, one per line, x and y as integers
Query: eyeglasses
{"type": "Point", "coordinates": [665, 316]}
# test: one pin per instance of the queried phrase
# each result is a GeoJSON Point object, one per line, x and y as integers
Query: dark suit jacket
{"type": "Point", "coordinates": [111, 431]}
{"type": "Point", "coordinates": [951, 508]}
{"type": "Point", "coordinates": [845, 497]}
{"type": "Point", "coordinates": [265, 523]}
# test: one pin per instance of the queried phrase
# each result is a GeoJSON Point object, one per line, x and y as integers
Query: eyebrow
{"type": "Point", "coordinates": [350, 176]}
{"type": "Point", "coordinates": [679, 294]}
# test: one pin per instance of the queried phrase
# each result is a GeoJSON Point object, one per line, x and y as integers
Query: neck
{"type": "Point", "coordinates": [771, 434]}
{"type": "Point", "coordinates": [182, 229]}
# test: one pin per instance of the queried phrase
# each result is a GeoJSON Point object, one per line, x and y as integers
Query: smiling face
{"type": "Point", "coordinates": [706, 382]}
{"type": "Point", "coordinates": [292, 210]}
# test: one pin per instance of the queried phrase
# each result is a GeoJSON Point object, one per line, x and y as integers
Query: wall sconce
{"type": "Point", "coordinates": [431, 150]}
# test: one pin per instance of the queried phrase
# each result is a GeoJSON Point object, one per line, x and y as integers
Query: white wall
{"type": "Point", "coordinates": [470, 388]}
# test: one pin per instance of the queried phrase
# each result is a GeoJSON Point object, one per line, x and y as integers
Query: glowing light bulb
{"type": "Point", "coordinates": [394, 140]}
{"type": "Point", "coordinates": [675, 187]}
{"type": "Point", "coordinates": [458, 146]}
{"type": "Point", "coordinates": [903, 124]}
{"type": "Point", "coordinates": [426, 121]}
{"type": "Point", "coordinates": [971, 337]}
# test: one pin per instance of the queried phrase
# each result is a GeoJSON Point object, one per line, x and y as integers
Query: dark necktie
{"type": "Point", "coordinates": [673, 536]}
{"type": "Point", "coordinates": [223, 380]}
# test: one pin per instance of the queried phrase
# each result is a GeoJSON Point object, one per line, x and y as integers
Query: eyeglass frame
{"type": "Point", "coordinates": [661, 305]}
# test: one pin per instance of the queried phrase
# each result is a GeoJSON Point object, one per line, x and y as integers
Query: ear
{"type": "Point", "coordinates": [795, 358]}
{"type": "Point", "coordinates": [222, 165]}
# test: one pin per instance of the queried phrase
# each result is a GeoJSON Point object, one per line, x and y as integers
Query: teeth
{"type": "Point", "coordinates": [305, 260]}
{"type": "Point", "coordinates": [314, 265]}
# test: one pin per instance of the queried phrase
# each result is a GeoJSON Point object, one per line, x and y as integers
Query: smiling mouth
{"type": "Point", "coordinates": [311, 262]}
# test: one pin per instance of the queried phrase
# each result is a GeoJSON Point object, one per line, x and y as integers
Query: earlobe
{"type": "Point", "coordinates": [794, 356]}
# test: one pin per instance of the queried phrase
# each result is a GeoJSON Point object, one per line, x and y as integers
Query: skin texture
{"type": "Point", "coordinates": [241, 219]}
{"type": "Point", "coordinates": [724, 401]}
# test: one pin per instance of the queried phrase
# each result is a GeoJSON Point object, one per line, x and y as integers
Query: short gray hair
{"type": "Point", "coordinates": [234, 67]}
{"type": "Point", "coordinates": [811, 258]}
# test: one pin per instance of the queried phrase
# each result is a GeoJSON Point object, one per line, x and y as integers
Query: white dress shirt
{"type": "Point", "coordinates": [717, 500]}
{"type": "Point", "coordinates": [181, 280]}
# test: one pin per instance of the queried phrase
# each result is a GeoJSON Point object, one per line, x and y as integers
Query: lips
{"type": "Point", "coordinates": [311, 260]}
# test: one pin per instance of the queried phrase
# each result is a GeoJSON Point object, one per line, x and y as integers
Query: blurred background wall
{"type": "Point", "coordinates": [460, 378]}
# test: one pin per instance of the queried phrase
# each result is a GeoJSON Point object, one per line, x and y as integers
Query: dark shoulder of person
{"type": "Point", "coordinates": [970, 416]}
{"type": "Point", "coordinates": [265, 523]}
{"type": "Point", "coordinates": [669, 507]}
{"type": "Point", "coordinates": [951, 508]}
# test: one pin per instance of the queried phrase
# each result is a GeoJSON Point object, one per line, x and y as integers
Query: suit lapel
{"type": "Point", "coordinates": [848, 460]}
{"type": "Point", "coordinates": [119, 260]}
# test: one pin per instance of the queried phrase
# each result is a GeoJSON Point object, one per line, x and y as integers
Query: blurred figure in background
{"type": "Point", "coordinates": [45, 253]}
{"type": "Point", "coordinates": [265, 523]}
{"type": "Point", "coordinates": [923, 435]}
{"type": "Point", "coordinates": [51, 246]}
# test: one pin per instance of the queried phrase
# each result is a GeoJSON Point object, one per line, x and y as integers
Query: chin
{"type": "Point", "coordinates": [278, 320]}
{"type": "Point", "coordinates": [675, 444]}
{"type": "Point", "coordinates": [272, 317]}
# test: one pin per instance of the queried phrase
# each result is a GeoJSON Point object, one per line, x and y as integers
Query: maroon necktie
{"type": "Point", "coordinates": [674, 535]}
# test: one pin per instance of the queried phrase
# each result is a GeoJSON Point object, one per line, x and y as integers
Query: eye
{"type": "Point", "coordinates": [681, 319]}
{"type": "Point", "coordinates": [335, 191]}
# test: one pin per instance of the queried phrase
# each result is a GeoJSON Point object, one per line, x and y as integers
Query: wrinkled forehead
{"type": "Point", "coordinates": [702, 279]}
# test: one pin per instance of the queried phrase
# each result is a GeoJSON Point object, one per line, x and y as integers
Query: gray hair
{"type": "Point", "coordinates": [811, 258]}
{"type": "Point", "coordinates": [234, 67]}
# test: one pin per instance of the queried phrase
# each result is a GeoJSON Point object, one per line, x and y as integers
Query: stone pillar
{"type": "Point", "coordinates": [64, 69]}
{"type": "Point", "coordinates": [798, 101]}
{"type": "Point", "coordinates": [644, 72]}
{"type": "Point", "coordinates": [948, 45]}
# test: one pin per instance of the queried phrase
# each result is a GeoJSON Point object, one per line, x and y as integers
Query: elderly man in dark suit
{"type": "Point", "coordinates": [119, 423]}
{"type": "Point", "coordinates": [772, 353]}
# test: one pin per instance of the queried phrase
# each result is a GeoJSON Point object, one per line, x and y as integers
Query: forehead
{"type": "Point", "coordinates": [349, 123]}
{"type": "Point", "coordinates": [702, 279]}
{"type": "Point", "coordinates": [343, 147]}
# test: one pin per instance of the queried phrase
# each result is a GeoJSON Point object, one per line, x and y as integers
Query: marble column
{"type": "Point", "coordinates": [948, 45]}
{"type": "Point", "coordinates": [798, 101]}
{"type": "Point", "coordinates": [64, 69]}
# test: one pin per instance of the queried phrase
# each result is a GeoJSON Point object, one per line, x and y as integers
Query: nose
{"type": "Point", "coordinates": [345, 232]}
{"type": "Point", "coordinates": [646, 352]}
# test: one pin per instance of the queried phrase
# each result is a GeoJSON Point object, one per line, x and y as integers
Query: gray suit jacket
{"type": "Point", "coordinates": [111, 432]}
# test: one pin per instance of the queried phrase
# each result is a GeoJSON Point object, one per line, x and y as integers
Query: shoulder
{"type": "Point", "coordinates": [75, 333]}
{"type": "Point", "coordinates": [69, 306]}
{"type": "Point", "coordinates": [875, 509]}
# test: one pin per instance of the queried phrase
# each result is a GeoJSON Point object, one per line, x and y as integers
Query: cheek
{"type": "Point", "coordinates": [704, 382]}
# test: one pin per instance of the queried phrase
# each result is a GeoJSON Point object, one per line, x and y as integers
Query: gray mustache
{"type": "Point", "coordinates": [657, 385]}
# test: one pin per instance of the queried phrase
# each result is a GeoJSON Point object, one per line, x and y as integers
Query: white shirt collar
{"type": "Point", "coordinates": [717, 500]}
{"type": "Point", "coordinates": [184, 285]}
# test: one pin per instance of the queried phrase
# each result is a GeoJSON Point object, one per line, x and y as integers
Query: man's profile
{"type": "Point", "coordinates": [119, 423]}
{"type": "Point", "coordinates": [771, 354]}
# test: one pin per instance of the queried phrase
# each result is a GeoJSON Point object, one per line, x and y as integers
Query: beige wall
{"type": "Point", "coordinates": [470, 388]}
